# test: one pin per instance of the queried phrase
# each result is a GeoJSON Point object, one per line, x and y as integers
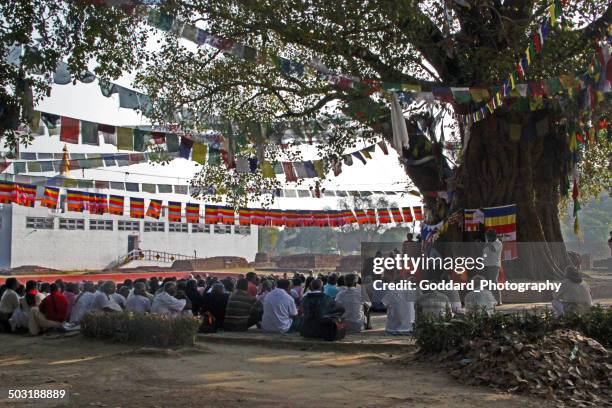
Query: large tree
{"type": "Point", "coordinates": [467, 43]}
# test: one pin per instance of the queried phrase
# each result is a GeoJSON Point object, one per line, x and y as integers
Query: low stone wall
{"type": "Point", "coordinates": [308, 261]}
{"type": "Point", "coordinates": [213, 263]}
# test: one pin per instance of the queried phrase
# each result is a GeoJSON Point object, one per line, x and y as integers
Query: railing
{"type": "Point", "coordinates": [151, 255]}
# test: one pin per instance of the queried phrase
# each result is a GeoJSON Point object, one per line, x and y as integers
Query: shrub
{"type": "Point", "coordinates": [439, 333]}
{"type": "Point", "coordinates": [139, 328]}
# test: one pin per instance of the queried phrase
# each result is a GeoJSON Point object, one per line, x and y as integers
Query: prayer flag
{"type": "Point", "coordinates": [359, 157]}
{"type": "Point", "coordinates": [383, 147]}
{"type": "Point", "coordinates": [472, 218]}
{"type": "Point", "coordinates": [244, 216]}
{"type": "Point", "coordinates": [199, 153]}
{"type": "Point", "coordinates": [192, 213]}
{"type": "Point", "coordinates": [172, 143]}
{"type": "Point", "coordinates": [349, 217]}
{"type": "Point", "coordinates": [155, 208]}
{"type": "Point", "coordinates": [108, 134]}
{"type": "Point", "coordinates": [69, 131]}
{"type": "Point", "coordinates": [418, 213]}
{"type": "Point", "coordinates": [258, 217]}
{"type": "Point", "coordinates": [362, 217]}
{"type": "Point", "coordinates": [125, 139]}
{"type": "Point", "coordinates": [185, 148]}
{"type": "Point", "coordinates": [141, 139]}
{"type": "Point", "coordinates": [116, 205]}
{"type": "Point", "coordinates": [397, 215]}
{"type": "Point", "coordinates": [211, 214]}
{"type": "Point", "coordinates": [6, 192]}
{"type": "Point", "coordinates": [319, 168]}
{"type": "Point", "coordinates": [277, 219]}
{"type": "Point", "coordinates": [97, 203]}
{"type": "Point", "coordinates": [289, 171]}
{"type": "Point", "coordinates": [503, 221]}
{"type": "Point", "coordinates": [89, 133]}
{"type": "Point", "coordinates": [136, 207]}
{"type": "Point", "coordinates": [266, 170]}
{"type": "Point", "coordinates": [24, 194]}
{"type": "Point", "coordinates": [174, 211]}
{"type": "Point", "coordinates": [226, 215]}
{"type": "Point", "coordinates": [407, 213]}
{"type": "Point", "coordinates": [383, 216]}
{"type": "Point", "coordinates": [371, 215]}
{"type": "Point", "coordinates": [76, 200]}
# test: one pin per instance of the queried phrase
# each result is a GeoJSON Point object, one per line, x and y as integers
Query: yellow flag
{"type": "Point", "coordinates": [267, 170]}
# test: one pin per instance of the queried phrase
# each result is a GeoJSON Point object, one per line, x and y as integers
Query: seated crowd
{"type": "Point", "coordinates": [317, 307]}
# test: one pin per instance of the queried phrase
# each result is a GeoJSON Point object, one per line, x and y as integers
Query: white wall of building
{"type": "Point", "coordinates": [5, 236]}
{"type": "Point", "coordinates": [95, 249]}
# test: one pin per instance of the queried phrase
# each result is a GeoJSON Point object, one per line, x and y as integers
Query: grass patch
{"type": "Point", "coordinates": [440, 333]}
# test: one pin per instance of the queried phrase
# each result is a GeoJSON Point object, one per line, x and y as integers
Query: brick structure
{"type": "Point", "coordinates": [312, 261]}
{"type": "Point", "coordinates": [213, 263]}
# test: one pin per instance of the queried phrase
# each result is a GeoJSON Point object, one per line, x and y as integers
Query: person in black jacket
{"type": "Point", "coordinates": [315, 306]}
{"type": "Point", "coordinates": [215, 302]}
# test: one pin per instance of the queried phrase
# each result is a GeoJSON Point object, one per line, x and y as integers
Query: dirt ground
{"type": "Point", "coordinates": [100, 374]}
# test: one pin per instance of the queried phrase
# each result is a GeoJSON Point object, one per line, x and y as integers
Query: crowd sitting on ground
{"type": "Point", "coordinates": [316, 306]}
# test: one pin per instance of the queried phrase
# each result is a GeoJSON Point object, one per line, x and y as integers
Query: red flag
{"type": "Point", "coordinates": [69, 131]}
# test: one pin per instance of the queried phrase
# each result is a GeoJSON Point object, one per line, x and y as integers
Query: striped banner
{"type": "Point", "coordinates": [192, 213]}
{"type": "Point", "coordinates": [155, 208]}
{"type": "Point", "coordinates": [97, 204]}
{"type": "Point", "coordinates": [396, 214]}
{"type": "Point", "coordinates": [6, 192]}
{"type": "Point", "coordinates": [115, 205]}
{"type": "Point", "coordinates": [137, 207]}
{"type": "Point", "coordinates": [418, 213]}
{"type": "Point", "coordinates": [226, 215]}
{"type": "Point", "coordinates": [383, 216]}
{"type": "Point", "coordinates": [211, 214]}
{"type": "Point", "coordinates": [244, 216]}
{"type": "Point", "coordinates": [174, 211]}
{"type": "Point", "coordinates": [50, 197]}
{"type": "Point", "coordinates": [76, 200]}
{"type": "Point", "coordinates": [407, 213]}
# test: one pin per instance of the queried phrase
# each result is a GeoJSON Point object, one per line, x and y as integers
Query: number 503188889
{"type": "Point", "coordinates": [37, 394]}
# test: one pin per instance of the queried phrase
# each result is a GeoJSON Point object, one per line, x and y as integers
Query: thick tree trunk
{"type": "Point", "coordinates": [498, 170]}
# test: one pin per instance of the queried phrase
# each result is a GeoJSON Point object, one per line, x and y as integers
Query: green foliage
{"type": "Point", "coordinates": [139, 328]}
{"type": "Point", "coordinates": [428, 44]}
{"type": "Point", "coordinates": [439, 333]}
